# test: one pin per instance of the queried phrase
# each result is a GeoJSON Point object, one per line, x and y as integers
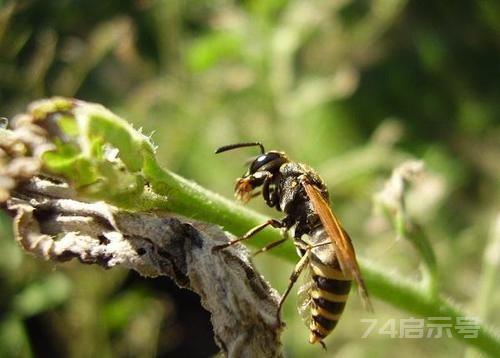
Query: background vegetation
{"type": "Point", "coordinates": [351, 87]}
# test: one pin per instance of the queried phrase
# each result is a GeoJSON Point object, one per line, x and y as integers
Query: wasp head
{"type": "Point", "coordinates": [260, 169]}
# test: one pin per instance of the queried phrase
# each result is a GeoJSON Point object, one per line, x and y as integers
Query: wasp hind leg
{"type": "Point", "coordinates": [304, 260]}
{"type": "Point", "coordinates": [252, 232]}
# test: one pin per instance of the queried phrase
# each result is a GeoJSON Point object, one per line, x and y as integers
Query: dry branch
{"type": "Point", "coordinates": [52, 222]}
{"type": "Point", "coordinates": [51, 225]}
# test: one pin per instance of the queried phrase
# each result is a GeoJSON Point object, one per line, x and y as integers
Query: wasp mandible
{"type": "Point", "coordinates": [324, 247]}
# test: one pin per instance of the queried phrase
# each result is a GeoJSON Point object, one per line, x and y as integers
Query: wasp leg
{"type": "Point", "coordinates": [270, 246]}
{"type": "Point", "coordinates": [257, 193]}
{"type": "Point", "coordinates": [266, 192]}
{"type": "Point", "coordinates": [320, 244]}
{"type": "Point", "coordinates": [304, 260]}
{"type": "Point", "coordinates": [273, 222]}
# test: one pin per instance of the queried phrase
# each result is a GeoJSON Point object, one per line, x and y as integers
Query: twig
{"type": "Point", "coordinates": [392, 200]}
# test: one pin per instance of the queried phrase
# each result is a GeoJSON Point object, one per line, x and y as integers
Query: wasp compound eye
{"type": "Point", "coordinates": [262, 160]}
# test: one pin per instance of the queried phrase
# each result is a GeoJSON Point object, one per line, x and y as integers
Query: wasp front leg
{"type": "Point", "coordinates": [270, 246]}
{"type": "Point", "coordinates": [268, 195]}
{"type": "Point", "coordinates": [244, 188]}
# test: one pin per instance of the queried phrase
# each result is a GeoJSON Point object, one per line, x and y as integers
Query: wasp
{"type": "Point", "coordinates": [324, 247]}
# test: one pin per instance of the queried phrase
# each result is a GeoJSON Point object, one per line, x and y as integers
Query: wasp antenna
{"type": "Point", "coordinates": [240, 145]}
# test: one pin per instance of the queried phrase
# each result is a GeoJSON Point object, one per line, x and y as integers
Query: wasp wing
{"type": "Point", "coordinates": [340, 240]}
{"type": "Point", "coordinates": [304, 297]}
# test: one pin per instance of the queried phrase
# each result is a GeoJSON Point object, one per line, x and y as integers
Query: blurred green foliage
{"type": "Point", "coordinates": [351, 87]}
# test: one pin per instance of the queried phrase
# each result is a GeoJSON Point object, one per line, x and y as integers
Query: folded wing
{"type": "Point", "coordinates": [340, 240]}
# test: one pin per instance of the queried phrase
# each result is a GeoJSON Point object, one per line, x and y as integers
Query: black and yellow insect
{"type": "Point", "coordinates": [323, 245]}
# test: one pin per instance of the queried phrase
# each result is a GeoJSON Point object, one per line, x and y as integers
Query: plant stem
{"type": "Point", "coordinates": [412, 297]}
{"type": "Point", "coordinates": [187, 198]}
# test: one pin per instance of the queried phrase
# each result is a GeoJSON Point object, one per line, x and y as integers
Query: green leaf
{"type": "Point", "coordinates": [211, 49]}
{"type": "Point", "coordinates": [42, 295]}
{"type": "Point", "coordinates": [14, 341]}
{"type": "Point", "coordinates": [68, 160]}
{"type": "Point", "coordinates": [120, 310]}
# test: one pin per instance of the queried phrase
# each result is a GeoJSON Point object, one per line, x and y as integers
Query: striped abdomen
{"type": "Point", "coordinates": [328, 295]}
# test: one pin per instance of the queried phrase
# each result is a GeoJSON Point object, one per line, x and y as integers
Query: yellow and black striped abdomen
{"type": "Point", "coordinates": [328, 295]}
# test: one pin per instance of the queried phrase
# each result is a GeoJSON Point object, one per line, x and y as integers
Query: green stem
{"type": "Point", "coordinates": [189, 199]}
{"type": "Point", "coordinates": [417, 236]}
{"type": "Point", "coordinates": [489, 277]}
{"type": "Point", "coordinates": [490, 271]}
{"type": "Point", "coordinates": [411, 297]}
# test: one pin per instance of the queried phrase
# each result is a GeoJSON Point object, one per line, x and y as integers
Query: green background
{"type": "Point", "coordinates": [352, 88]}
